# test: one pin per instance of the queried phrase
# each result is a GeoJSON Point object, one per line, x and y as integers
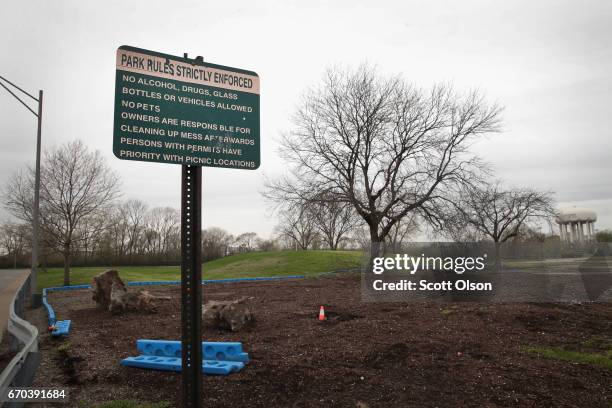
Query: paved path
{"type": "Point", "coordinates": [10, 281]}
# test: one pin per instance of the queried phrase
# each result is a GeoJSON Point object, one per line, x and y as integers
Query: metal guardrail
{"type": "Point", "coordinates": [21, 369]}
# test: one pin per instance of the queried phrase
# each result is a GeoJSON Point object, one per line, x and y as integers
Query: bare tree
{"type": "Point", "coordinates": [247, 241]}
{"type": "Point", "coordinates": [14, 239]}
{"type": "Point", "coordinates": [497, 213]}
{"type": "Point", "coordinates": [360, 237]}
{"type": "Point", "coordinates": [136, 212]}
{"type": "Point", "coordinates": [384, 146]}
{"type": "Point", "coordinates": [170, 230]}
{"type": "Point", "coordinates": [400, 232]}
{"type": "Point", "coordinates": [136, 231]}
{"type": "Point", "coordinates": [160, 232]}
{"type": "Point", "coordinates": [119, 232]}
{"type": "Point", "coordinates": [87, 235]}
{"type": "Point", "coordinates": [267, 244]}
{"type": "Point", "coordinates": [215, 243]}
{"type": "Point", "coordinates": [334, 219]}
{"type": "Point", "coordinates": [296, 223]}
{"type": "Point", "coordinates": [75, 185]}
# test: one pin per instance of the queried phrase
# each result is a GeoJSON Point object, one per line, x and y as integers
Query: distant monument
{"type": "Point", "coordinates": [576, 225]}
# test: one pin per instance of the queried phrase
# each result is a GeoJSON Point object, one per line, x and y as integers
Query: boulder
{"type": "Point", "coordinates": [110, 293]}
{"type": "Point", "coordinates": [102, 287]}
{"type": "Point", "coordinates": [231, 315]}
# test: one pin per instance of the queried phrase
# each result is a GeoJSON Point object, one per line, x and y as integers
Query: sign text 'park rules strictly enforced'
{"type": "Point", "coordinates": [176, 110]}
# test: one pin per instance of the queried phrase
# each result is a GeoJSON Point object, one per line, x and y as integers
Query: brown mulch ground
{"type": "Point", "coordinates": [5, 357]}
{"type": "Point", "coordinates": [375, 354]}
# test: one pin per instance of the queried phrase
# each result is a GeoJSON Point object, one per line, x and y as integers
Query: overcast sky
{"type": "Point", "coordinates": [548, 62]}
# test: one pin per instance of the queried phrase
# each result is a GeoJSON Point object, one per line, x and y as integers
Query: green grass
{"type": "Point", "coordinates": [254, 264]}
{"type": "Point", "coordinates": [132, 404]}
{"type": "Point", "coordinates": [602, 359]}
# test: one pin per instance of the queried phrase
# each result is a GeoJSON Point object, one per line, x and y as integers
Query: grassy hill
{"type": "Point", "coordinates": [254, 264]}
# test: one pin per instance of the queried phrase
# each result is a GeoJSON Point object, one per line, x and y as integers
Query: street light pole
{"type": "Point", "coordinates": [35, 210]}
{"type": "Point", "coordinates": [35, 298]}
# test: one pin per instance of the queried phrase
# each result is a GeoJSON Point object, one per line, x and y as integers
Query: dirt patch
{"type": "Point", "coordinates": [391, 356]}
{"type": "Point", "coordinates": [377, 355]}
{"type": "Point", "coordinates": [69, 364]}
{"type": "Point", "coordinates": [332, 317]}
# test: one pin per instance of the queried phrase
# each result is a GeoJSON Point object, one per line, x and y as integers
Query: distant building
{"type": "Point", "coordinates": [576, 225]}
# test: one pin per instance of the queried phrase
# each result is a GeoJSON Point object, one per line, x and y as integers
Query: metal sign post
{"type": "Point", "coordinates": [178, 110]}
{"type": "Point", "coordinates": [191, 287]}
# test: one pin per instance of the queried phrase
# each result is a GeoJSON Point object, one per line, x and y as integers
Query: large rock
{"type": "Point", "coordinates": [122, 300]}
{"type": "Point", "coordinates": [102, 287]}
{"type": "Point", "coordinates": [110, 293]}
{"type": "Point", "coordinates": [231, 315]}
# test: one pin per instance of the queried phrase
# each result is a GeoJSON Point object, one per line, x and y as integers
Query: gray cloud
{"type": "Point", "coordinates": [548, 62]}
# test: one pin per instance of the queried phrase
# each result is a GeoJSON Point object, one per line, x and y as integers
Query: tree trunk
{"type": "Point", "coordinates": [498, 261]}
{"type": "Point", "coordinates": [377, 246]}
{"type": "Point", "coordinates": [333, 245]}
{"type": "Point", "coordinates": [67, 265]}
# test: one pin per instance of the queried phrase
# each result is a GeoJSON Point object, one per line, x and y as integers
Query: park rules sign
{"type": "Point", "coordinates": [176, 110]}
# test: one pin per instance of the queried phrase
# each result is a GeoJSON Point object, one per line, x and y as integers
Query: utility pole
{"type": "Point", "coordinates": [35, 298]}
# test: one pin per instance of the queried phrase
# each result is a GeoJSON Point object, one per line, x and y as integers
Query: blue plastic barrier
{"type": "Point", "coordinates": [154, 283]}
{"type": "Point", "coordinates": [211, 350]}
{"type": "Point", "coordinates": [50, 311]}
{"type": "Point", "coordinates": [61, 328]}
{"type": "Point", "coordinates": [233, 280]}
{"type": "Point", "coordinates": [70, 287]}
{"type": "Point", "coordinates": [224, 351]}
{"type": "Point", "coordinates": [174, 364]}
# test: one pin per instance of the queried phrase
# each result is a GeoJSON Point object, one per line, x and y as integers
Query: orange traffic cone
{"type": "Point", "coordinates": [321, 313]}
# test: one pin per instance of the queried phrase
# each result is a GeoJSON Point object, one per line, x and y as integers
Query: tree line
{"type": "Point", "coordinates": [128, 233]}
{"type": "Point", "coordinates": [372, 160]}
{"type": "Point", "coordinates": [83, 221]}
{"type": "Point", "coordinates": [389, 157]}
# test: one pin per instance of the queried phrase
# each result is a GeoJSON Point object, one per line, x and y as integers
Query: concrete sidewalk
{"type": "Point", "coordinates": [10, 281]}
